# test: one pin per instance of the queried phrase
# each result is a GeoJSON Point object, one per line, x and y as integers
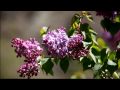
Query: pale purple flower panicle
{"type": "Point", "coordinates": [56, 42]}
{"type": "Point", "coordinates": [30, 49]}
{"type": "Point", "coordinates": [76, 48]}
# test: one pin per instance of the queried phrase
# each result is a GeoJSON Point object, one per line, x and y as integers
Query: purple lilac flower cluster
{"type": "Point", "coordinates": [75, 47]}
{"type": "Point", "coordinates": [29, 69]}
{"type": "Point", "coordinates": [108, 14]}
{"type": "Point", "coordinates": [58, 44]}
{"type": "Point", "coordinates": [30, 49]}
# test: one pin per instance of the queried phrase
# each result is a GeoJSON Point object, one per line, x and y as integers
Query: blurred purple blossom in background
{"type": "Point", "coordinates": [108, 14]}
{"type": "Point", "coordinates": [112, 41]}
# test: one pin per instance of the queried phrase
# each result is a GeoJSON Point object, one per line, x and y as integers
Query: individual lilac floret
{"type": "Point", "coordinates": [28, 69]}
{"type": "Point", "coordinates": [76, 48]}
{"type": "Point", "coordinates": [30, 49]}
{"type": "Point", "coordinates": [56, 42]}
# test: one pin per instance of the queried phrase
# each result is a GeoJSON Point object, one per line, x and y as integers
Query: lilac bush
{"type": "Point", "coordinates": [80, 42]}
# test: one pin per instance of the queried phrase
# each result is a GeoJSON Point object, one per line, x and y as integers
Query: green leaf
{"type": "Point", "coordinates": [92, 56]}
{"type": "Point", "coordinates": [47, 66]}
{"type": "Point", "coordinates": [103, 54]}
{"type": "Point", "coordinates": [92, 31]}
{"type": "Point", "coordinates": [99, 60]}
{"type": "Point", "coordinates": [97, 67]}
{"type": "Point", "coordinates": [81, 58]}
{"type": "Point", "coordinates": [87, 44]}
{"type": "Point", "coordinates": [115, 75]}
{"type": "Point", "coordinates": [83, 33]}
{"type": "Point", "coordinates": [96, 75]}
{"type": "Point", "coordinates": [43, 30]}
{"type": "Point", "coordinates": [94, 39]}
{"type": "Point", "coordinates": [117, 19]}
{"type": "Point", "coordinates": [112, 68]}
{"type": "Point", "coordinates": [110, 26]}
{"type": "Point", "coordinates": [76, 18]}
{"type": "Point", "coordinates": [112, 55]}
{"type": "Point", "coordinates": [75, 25]}
{"type": "Point", "coordinates": [87, 15]}
{"type": "Point", "coordinates": [84, 27]}
{"type": "Point", "coordinates": [95, 50]}
{"type": "Point", "coordinates": [110, 62]}
{"type": "Point", "coordinates": [88, 38]}
{"type": "Point", "coordinates": [101, 43]}
{"type": "Point", "coordinates": [51, 72]}
{"type": "Point", "coordinates": [64, 64]}
{"type": "Point", "coordinates": [118, 54]}
{"type": "Point", "coordinates": [56, 60]}
{"type": "Point", "coordinates": [43, 61]}
{"type": "Point", "coordinates": [71, 31]}
{"type": "Point", "coordinates": [87, 63]}
{"type": "Point", "coordinates": [119, 64]}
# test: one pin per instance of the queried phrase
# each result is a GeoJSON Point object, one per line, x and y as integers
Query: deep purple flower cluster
{"type": "Point", "coordinates": [28, 69]}
{"type": "Point", "coordinates": [17, 43]}
{"type": "Point", "coordinates": [56, 42]}
{"type": "Point", "coordinates": [108, 14]}
{"type": "Point", "coordinates": [76, 48]}
{"type": "Point", "coordinates": [30, 49]}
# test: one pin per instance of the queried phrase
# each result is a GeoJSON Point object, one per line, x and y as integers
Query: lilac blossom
{"type": "Point", "coordinates": [56, 42]}
{"type": "Point", "coordinates": [28, 69]}
{"type": "Point", "coordinates": [112, 41]}
{"type": "Point", "coordinates": [76, 48]}
{"type": "Point", "coordinates": [30, 49]}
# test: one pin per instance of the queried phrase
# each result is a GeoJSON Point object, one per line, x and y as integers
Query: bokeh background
{"type": "Point", "coordinates": [26, 24]}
